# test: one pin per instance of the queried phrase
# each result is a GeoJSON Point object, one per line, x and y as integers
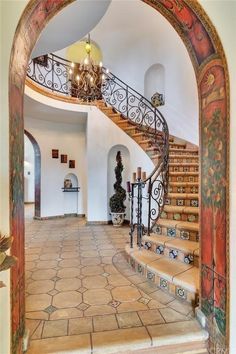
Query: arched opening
{"type": "Point", "coordinates": [33, 187]}
{"type": "Point", "coordinates": [154, 81]}
{"type": "Point", "coordinates": [208, 58]}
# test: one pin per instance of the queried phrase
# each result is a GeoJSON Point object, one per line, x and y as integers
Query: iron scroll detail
{"type": "Point", "coordinates": [54, 75]}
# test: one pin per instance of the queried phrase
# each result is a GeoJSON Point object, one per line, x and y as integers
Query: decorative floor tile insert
{"type": "Point", "coordinates": [86, 293]}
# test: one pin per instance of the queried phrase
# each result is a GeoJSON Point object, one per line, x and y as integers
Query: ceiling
{"type": "Point", "coordinates": [70, 25]}
{"type": "Point", "coordinates": [36, 110]}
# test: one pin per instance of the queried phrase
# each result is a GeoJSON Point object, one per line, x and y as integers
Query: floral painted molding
{"type": "Point", "coordinates": [6, 261]}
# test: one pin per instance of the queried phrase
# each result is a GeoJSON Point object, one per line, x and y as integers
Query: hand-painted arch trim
{"type": "Point", "coordinates": [204, 47]}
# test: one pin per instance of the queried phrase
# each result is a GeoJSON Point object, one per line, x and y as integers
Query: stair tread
{"type": "Point", "coordinates": [181, 209]}
{"type": "Point", "coordinates": [183, 195]}
{"type": "Point", "coordinates": [193, 226]}
{"type": "Point", "coordinates": [193, 164]}
{"type": "Point", "coordinates": [181, 150]}
{"type": "Point", "coordinates": [183, 173]}
{"type": "Point", "coordinates": [180, 184]}
{"type": "Point", "coordinates": [173, 242]}
{"type": "Point", "coordinates": [168, 269]}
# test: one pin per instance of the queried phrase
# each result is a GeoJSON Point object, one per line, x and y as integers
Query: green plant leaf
{"type": "Point", "coordinates": [5, 243]}
{"type": "Point", "coordinates": [8, 263]}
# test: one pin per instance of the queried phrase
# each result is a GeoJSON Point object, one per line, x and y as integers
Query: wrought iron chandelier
{"type": "Point", "coordinates": [87, 78]}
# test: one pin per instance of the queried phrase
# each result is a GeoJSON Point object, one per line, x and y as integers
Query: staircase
{"type": "Point", "coordinates": [170, 255]}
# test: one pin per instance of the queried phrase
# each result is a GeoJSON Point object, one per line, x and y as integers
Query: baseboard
{"type": "Point", "coordinates": [97, 222]}
{"type": "Point", "coordinates": [59, 216]}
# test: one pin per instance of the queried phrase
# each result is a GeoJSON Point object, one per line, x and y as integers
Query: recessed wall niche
{"type": "Point", "coordinates": [71, 194]}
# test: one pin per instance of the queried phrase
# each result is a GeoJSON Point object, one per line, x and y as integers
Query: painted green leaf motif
{"type": "Point", "coordinates": [214, 161]}
{"type": "Point", "coordinates": [220, 320]}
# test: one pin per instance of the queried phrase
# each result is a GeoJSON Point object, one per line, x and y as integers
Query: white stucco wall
{"type": "Point", "coordinates": [69, 139]}
{"type": "Point", "coordinates": [91, 151]}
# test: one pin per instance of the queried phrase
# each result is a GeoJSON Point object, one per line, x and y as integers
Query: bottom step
{"type": "Point", "coordinates": [179, 279]}
{"type": "Point", "coordinates": [170, 338]}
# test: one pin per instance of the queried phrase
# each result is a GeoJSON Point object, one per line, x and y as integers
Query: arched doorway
{"type": "Point", "coordinates": [37, 174]}
{"type": "Point", "coordinates": [207, 55]}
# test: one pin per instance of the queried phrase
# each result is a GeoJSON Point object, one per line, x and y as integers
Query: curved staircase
{"type": "Point", "coordinates": [169, 252]}
{"type": "Point", "coordinates": [169, 257]}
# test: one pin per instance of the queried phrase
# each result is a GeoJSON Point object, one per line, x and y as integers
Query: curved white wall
{"type": "Point", "coordinates": [70, 25]}
{"type": "Point", "coordinates": [99, 137]}
{"type": "Point", "coordinates": [133, 36]}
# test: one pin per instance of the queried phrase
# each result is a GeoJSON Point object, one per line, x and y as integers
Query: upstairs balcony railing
{"type": "Point", "coordinates": [52, 72]}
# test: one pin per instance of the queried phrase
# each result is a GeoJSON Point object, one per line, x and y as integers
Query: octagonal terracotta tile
{"type": "Point", "coordinates": [126, 293]}
{"type": "Point", "coordinates": [38, 302]}
{"type": "Point", "coordinates": [97, 297]}
{"type": "Point", "coordinates": [40, 286]}
{"type": "Point", "coordinates": [94, 282]}
{"type": "Point", "coordinates": [67, 299]}
{"type": "Point", "coordinates": [67, 284]}
{"type": "Point", "coordinates": [68, 272]}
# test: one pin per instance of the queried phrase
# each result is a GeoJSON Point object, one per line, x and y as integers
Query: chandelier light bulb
{"type": "Point", "coordinates": [86, 61]}
{"type": "Point", "coordinates": [70, 71]}
{"type": "Point", "coordinates": [107, 71]}
{"type": "Point", "coordinates": [91, 79]}
{"type": "Point", "coordinates": [100, 64]}
{"type": "Point", "coordinates": [103, 77]}
{"type": "Point", "coordinates": [77, 77]}
{"type": "Point", "coordinates": [72, 65]}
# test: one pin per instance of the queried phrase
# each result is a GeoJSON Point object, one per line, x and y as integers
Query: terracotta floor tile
{"type": "Point", "coordinates": [67, 299]}
{"type": "Point", "coordinates": [92, 270]}
{"type": "Point", "coordinates": [44, 274]}
{"type": "Point", "coordinates": [66, 313]}
{"type": "Point", "coordinates": [99, 310]}
{"type": "Point", "coordinates": [56, 328]}
{"type": "Point", "coordinates": [117, 280]}
{"type": "Point", "coordinates": [68, 272]}
{"type": "Point", "coordinates": [69, 263]}
{"type": "Point", "coordinates": [40, 286]}
{"type": "Point", "coordinates": [38, 302]}
{"type": "Point", "coordinates": [128, 319]}
{"type": "Point", "coordinates": [97, 297]}
{"type": "Point", "coordinates": [80, 344]}
{"type": "Point", "coordinates": [91, 261]}
{"type": "Point", "coordinates": [120, 340]}
{"type": "Point", "coordinates": [94, 282]}
{"type": "Point", "coordinates": [80, 325]}
{"type": "Point", "coordinates": [104, 323]}
{"type": "Point", "coordinates": [131, 306]}
{"type": "Point", "coordinates": [151, 317]}
{"type": "Point", "coordinates": [37, 315]}
{"type": "Point", "coordinates": [67, 284]}
{"type": "Point", "coordinates": [125, 294]}
{"type": "Point", "coordinates": [171, 315]}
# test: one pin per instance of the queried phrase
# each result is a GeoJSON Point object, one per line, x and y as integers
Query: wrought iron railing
{"type": "Point", "coordinates": [53, 73]}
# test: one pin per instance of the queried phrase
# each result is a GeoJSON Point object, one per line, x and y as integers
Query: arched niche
{"type": "Point", "coordinates": [37, 174]}
{"type": "Point", "coordinates": [70, 196]}
{"type": "Point", "coordinates": [111, 164]}
{"type": "Point", "coordinates": [154, 80]}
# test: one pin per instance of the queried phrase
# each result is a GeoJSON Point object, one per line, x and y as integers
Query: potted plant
{"type": "Point", "coordinates": [117, 200]}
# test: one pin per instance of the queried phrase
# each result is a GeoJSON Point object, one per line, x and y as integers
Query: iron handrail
{"type": "Point", "coordinates": [53, 73]}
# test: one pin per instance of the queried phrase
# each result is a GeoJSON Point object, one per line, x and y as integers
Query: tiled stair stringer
{"type": "Point", "coordinates": [179, 173]}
